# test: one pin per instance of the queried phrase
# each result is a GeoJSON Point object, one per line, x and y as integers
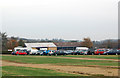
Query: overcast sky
{"type": "Point", "coordinates": [66, 19]}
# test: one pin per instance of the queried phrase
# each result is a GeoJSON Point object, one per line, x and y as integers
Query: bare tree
{"type": "Point", "coordinates": [87, 43]}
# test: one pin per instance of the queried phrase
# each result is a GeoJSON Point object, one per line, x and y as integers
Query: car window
{"type": "Point", "coordinates": [18, 50]}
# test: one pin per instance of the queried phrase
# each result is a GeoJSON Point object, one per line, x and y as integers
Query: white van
{"type": "Point", "coordinates": [81, 48]}
{"type": "Point", "coordinates": [33, 51]}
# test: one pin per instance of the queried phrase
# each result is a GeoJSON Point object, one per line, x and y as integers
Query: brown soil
{"type": "Point", "coordinates": [68, 69]}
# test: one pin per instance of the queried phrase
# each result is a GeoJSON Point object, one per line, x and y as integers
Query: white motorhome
{"type": "Point", "coordinates": [19, 48]}
{"type": "Point", "coordinates": [82, 48]}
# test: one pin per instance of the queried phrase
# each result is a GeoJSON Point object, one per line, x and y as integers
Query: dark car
{"type": "Point", "coordinates": [112, 52]}
{"type": "Point", "coordinates": [77, 52]}
{"type": "Point", "coordinates": [91, 51]}
{"type": "Point", "coordinates": [14, 52]}
{"type": "Point", "coordinates": [59, 52]}
{"type": "Point", "coordinates": [74, 52]}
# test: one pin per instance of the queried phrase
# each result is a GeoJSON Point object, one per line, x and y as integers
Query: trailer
{"type": "Point", "coordinates": [82, 48]}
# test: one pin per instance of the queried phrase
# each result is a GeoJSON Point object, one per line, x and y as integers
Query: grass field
{"type": "Point", "coordinates": [62, 61]}
{"type": "Point", "coordinates": [56, 60]}
{"type": "Point", "coordinates": [28, 71]}
{"type": "Point", "coordinates": [95, 56]}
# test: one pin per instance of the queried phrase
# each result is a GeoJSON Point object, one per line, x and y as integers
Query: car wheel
{"type": "Point", "coordinates": [55, 54]}
{"type": "Point", "coordinates": [116, 53]}
{"type": "Point", "coordinates": [92, 53]}
{"type": "Point", "coordinates": [64, 54]}
{"type": "Point", "coordinates": [99, 54]}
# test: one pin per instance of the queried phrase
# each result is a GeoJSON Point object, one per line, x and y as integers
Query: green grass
{"type": "Point", "coordinates": [94, 56]}
{"type": "Point", "coordinates": [59, 61]}
{"type": "Point", "coordinates": [28, 71]}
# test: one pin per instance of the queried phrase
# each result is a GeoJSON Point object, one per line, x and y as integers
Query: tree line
{"type": "Point", "coordinates": [12, 42]}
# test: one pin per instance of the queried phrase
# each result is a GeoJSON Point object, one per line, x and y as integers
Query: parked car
{"type": "Point", "coordinates": [69, 52]}
{"type": "Point", "coordinates": [33, 51]}
{"type": "Point", "coordinates": [59, 52]}
{"type": "Point", "coordinates": [112, 52]}
{"type": "Point", "coordinates": [74, 52]}
{"type": "Point", "coordinates": [28, 52]}
{"type": "Point", "coordinates": [84, 52]}
{"type": "Point", "coordinates": [51, 52]}
{"type": "Point", "coordinates": [21, 52]}
{"type": "Point", "coordinates": [46, 52]}
{"type": "Point", "coordinates": [99, 51]}
{"type": "Point", "coordinates": [39, 52]}
{"type": "Point", "coordinates": [14, 52]}
{"type": "Point", "coordinates": [91, 51]}
{"type": "Point", "coordinates": [77, 52]}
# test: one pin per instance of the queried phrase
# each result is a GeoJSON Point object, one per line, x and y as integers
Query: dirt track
{"type": "Point", "coordinates": [68, 69]}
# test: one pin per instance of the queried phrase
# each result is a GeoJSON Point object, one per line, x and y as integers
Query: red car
{"type": "Point", "coordinates": [19, 53]}
{"type": "Point", "coordinates": [99, 51]}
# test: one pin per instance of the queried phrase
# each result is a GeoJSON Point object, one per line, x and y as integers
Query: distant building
{"type": "Point", "coordinates": [41, 46]}
{"type": "Point", "coordinates": [53, 46]}
{"type": "Point", "coordinates": [67, 45]}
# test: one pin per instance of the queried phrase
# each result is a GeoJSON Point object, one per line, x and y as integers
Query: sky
{"type": "Point", "coordinates": [66, 19]}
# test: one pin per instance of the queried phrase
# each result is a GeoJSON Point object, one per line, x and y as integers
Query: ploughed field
{"type": "Point", "coordinates": [71, 65]}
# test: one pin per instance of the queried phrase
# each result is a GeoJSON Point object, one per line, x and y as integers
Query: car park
{"type": "Point", "coordinates": [79, 51]}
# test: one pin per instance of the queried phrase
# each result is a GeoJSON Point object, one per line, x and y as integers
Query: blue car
{"type": "Point", "coordinates": [13, 53]}
{"type": "Point", "coordinates": [46, 52]}
{"type": "Point", "coordinates": [112, 52]}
